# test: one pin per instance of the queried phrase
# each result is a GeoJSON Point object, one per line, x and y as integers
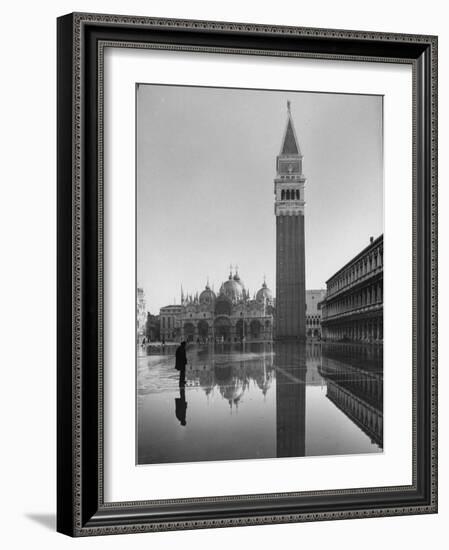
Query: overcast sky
{"type": "Point", "coordinates": [205, 168]}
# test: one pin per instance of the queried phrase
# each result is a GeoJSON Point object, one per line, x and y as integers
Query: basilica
{"type": "Point", "coordinates": [231, 315]}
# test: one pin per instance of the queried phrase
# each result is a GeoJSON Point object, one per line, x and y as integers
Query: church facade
{"type": "Point", "coordinates": [231, 315]}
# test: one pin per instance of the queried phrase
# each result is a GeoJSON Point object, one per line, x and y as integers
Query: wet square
{"type": "Point", "coordinates": [284, 347]}
{"type": "Point", "coordinates": [246, 401]}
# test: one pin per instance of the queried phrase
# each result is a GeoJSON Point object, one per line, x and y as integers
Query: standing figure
{"type": "Point", "coordinates": [181, 362]}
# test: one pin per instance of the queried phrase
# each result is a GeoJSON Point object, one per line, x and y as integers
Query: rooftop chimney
{"type": "Point", "coordinates": [371, 239]}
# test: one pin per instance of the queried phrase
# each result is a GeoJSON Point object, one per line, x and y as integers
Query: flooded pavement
{"type": "Point", "coordinates": [246, 401]}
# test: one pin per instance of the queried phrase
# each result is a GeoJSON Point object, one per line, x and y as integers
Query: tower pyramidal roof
{"type": "Point", "coordinates": [290, 143]}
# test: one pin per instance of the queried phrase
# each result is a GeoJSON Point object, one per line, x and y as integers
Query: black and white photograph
{"type": "Point", "coordinates": [259, 280]}
{"type": "Point", "coordinates": [220, 306]}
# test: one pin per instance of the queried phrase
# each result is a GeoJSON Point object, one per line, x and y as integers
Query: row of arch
{"type": "Point", "coordinates": [368, 296]}
{"type": "Point", "coordinates": [364, 331]}
{"type": "Point", "coordinates": [313, 320]}
{"type": "Point", "coordinates": [290, 194]}
{"type": "Point", "coordinates": [223, 330]}
{"type": "Point", "coordinates": [369, 418]}
{"type": "Point", "coordinates": [365, 265]}
{"type": "Point", "coordinates": [366, 385]}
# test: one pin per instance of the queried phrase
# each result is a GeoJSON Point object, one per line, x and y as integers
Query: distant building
{"type": "Point", "coordinates": [353, 307]}
{"type": "Point", "coordinates": [313, 312]}
{"type": "Point", "coordinates": [170, 322]}
{"type": "Point", "coordinates": [152, 328]}
{"type": "Point", "coordinates": [232, 315]}
{"type": "Point", "coordinates": [141, 312]}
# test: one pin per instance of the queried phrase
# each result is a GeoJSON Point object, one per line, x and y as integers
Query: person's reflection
{"type": "Point", "coordinates": [181, 406]}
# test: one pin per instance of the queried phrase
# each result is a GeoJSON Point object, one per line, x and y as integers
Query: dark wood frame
{"type": "Point", "coordinates": [81, 509]}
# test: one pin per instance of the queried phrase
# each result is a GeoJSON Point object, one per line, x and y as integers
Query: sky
{"type": "Point", "coordinates": [206, 161]}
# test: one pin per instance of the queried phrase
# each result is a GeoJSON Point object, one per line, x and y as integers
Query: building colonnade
{"type": "Point", "coordinates": [353, 307]}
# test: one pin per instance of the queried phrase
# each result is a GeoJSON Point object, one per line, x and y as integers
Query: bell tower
{"type": "Point", "coordinates": [290, 254]}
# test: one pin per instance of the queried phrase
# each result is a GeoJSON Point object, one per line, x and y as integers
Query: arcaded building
{"type": "Point", "coordinates": [231, 315]}
{"type": "Point", "coordinates": [353, 307]}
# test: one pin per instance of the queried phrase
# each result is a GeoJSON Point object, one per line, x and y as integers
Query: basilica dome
{"type": "Point", "coordinates": [232, 289]}
{"type": "Point", "coordinates": [207, 296]}
{"type": "Point", "coordinates": [264, 295]}
{"type": "Point", "coordinates": [238, 280]}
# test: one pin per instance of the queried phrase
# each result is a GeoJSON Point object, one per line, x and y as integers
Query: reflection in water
{"type": "Point", "coordinates": [181, 406]}
{"type": "Point", "coordinates": [354, 380]}
{"type": "Point", "coordinates": [261, 401]}
{"type": "Point", "coordinates": [290, 361]}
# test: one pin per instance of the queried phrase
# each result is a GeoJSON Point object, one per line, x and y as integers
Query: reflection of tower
{"type": "Point", "coordinates": [290, 259]}
{"type": "Point", "coordinates": [290, 364]}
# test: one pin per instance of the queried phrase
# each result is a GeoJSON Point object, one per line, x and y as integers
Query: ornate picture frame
{"type": "Point", "coordinates": [81, 507]}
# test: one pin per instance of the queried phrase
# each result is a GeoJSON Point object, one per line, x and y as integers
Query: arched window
{"type": "Point", "coordinates": [282, 195]}
{"type": "Point", "coordinates": [297, 194]}
{"type": "Point", "coordinates": [288, 194]}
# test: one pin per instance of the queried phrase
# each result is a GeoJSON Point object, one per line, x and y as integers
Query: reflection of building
{"type": "Point", "coordinates": [353, 307]}
{"type": "Point", "coordinates": [141, 312]}
{"type": "Point", "coordinates": [231, 377]}
{"type": "Point", "coordinates": [290, 258]}
{"type": "Point", "coordinates": [313, 312]}
{"type": "Point", "coordinates": [290, 365]}
{"type": "Point", "coordinates": [354, 379]}
{"type": "Point", "coordinates": [230, 316]}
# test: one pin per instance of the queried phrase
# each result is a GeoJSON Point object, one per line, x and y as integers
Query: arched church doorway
{"type": "Point", "coordinates": [189, 332]}
{"type": "Point", "coordinates": [241, 329]}
{"type": "Point", "coordinates": [222, 327]}
{"type": "Point", "coordinates": [255, 329]}
{"type": "Point", "coordinates": [203, 330]}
